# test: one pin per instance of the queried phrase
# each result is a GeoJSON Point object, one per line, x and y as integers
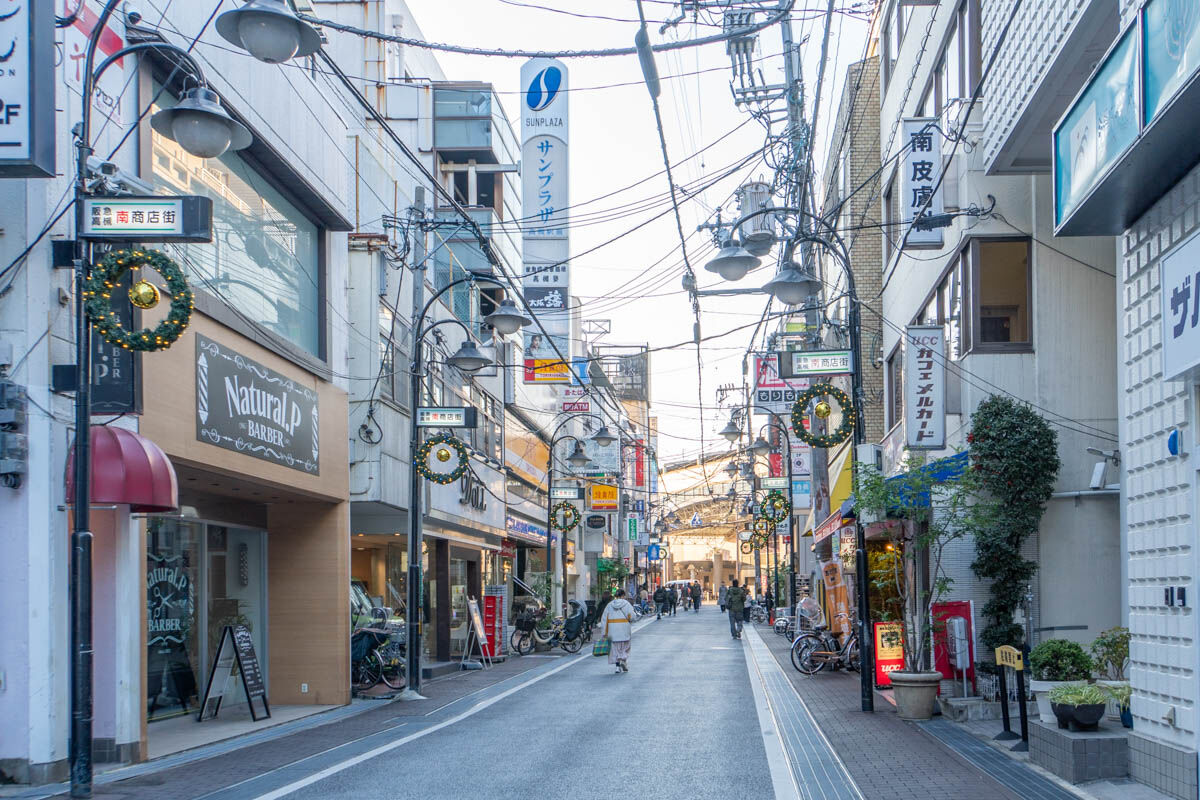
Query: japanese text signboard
{"type": "Point", "coordinates": [447, 417]}
{"type": "Point", "coordinates": [186, 218]}
{"type": "Point", "coordinates": [1181, 308]}
{"type": "Point", "coordinates": [805, 363]}
{"type": "Point", "coordinates": [925, 387]}
{"type": "Point", "coordinates": [920, 181]}
{"type": "Point", "coordinates": [545, 246]}
{"type": "Point", "coordinates": [602, 497]}
{"type": "Point", "coordinates": [773, 394]}
{"type": "Point", "coordinates": [889, 651]}
{"type": "Point", "coordinates": [27, 102]}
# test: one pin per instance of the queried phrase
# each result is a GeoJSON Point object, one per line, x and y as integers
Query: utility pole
{"type": "Point", "coordinates": [414, 590]}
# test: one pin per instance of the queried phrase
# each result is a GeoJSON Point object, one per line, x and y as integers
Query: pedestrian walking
{"type": "Point", "coordinates": [617, 624]}
{"type": "Point", "coordinates": [696, 597]}
{"type": "Point", "coordinates": [660, 601]}
{"type": "Point", "coordinates": [673, 598]}
{"type": "Point", "coordinates": [735, 600]}
{"type": "Point", "coordinates": [721, 596]}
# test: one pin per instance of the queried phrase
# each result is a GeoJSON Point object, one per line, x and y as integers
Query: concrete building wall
{"type": "Point", "coordinates": [1160, 492]}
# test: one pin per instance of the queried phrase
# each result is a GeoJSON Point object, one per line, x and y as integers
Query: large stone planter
{"type": "Point", "coordinates": [915, 693]}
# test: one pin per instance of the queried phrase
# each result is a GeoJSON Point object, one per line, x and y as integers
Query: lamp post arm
{"type": "Point", "coordinates": [89, 80]}
{"type": "Point", "coordinates": [191, 62]}
{"type": "Point", "coordinates": [420, 322]}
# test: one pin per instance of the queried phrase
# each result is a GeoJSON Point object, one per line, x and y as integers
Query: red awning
{"type": "Point", "coordinates": [127, 469]}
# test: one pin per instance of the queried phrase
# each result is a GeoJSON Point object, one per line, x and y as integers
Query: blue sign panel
{"type": "Point", "coordinates": [524, 531]}
{"type": "Point", "coordinates": [639, 506]}
{"type": "Point", "coordinates": [654, 552]}
{"type": "Point", "coordinates": [1101, 125]}
{"type": "Point", "coordinates": [1171, 43]}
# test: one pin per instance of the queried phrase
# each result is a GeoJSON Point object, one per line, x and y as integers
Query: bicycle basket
{"type": "Point", "coordinates": [364, 641]}
{"type": "Point", "coordinates": [525, 622]}
{"type": "Point", "coordinates": [810, 609]}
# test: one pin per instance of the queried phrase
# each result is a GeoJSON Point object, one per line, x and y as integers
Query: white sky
{"type": "Point", "coordinates": [635, 281]}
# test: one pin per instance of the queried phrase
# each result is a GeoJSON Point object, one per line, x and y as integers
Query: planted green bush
{"type": "Point", "coordinates": [1060, 660]}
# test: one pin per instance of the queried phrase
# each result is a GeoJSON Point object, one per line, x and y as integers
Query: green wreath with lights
{"type": "Point", "coordinates": [570, 517]}
{"type": "Point", "coordinates": [107, 273]}
{"type": "Point", "coordinates": [775, 507]}
{"type": "Point", "coordinates": [800, 408]}
{"type": "Point", "coordinates": [442, 454]}
{"type": "Point", "coordinates": [747, 548]}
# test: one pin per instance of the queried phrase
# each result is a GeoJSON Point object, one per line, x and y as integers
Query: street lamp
{"type": "Point", "coordinates": [269, 31]}
{"type": "Point", "coordinates": [731, 469]}
{"type": "Point", "coordinates": [507, 319]}
{"type": "Point", "coordinates": [468, 358]}
{"type": "Point", "coordinates": [603, 437]}
{"type": "Point", "coordinates": [578, 458]}
{"type": "Point", "coordinates": [732, 261]}
{"type": "Point", "coordinates": [760, 447]}
{"type": "Point", "coordinates": [731, 432]}
{"type": "Point", "coordinates": [202, 128]}
{"type": "Point", "coordinates": [792, 285]}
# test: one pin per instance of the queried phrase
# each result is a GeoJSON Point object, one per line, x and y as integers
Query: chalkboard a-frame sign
{"type": "Point", "coordinates": [235, 651]}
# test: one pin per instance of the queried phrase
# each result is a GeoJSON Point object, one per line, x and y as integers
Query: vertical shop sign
{"type": "Point", "coordinates": [27, 89]}
{"type": "Point", "coordinates": [772, 393]}
{"type": "Point", "coordinates": [925, 387]}
{"type": "Point", "coordinates": [1181, 308]}
{"type": "Point", "coordinates": [545, 244]}
{"type": "Point", "coordinates": [921, 190]}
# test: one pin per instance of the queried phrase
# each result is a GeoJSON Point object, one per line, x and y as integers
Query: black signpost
{"type": "Point", "coordinates": [236, 651]}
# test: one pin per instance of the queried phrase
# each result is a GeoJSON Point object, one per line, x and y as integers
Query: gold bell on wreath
{"type": "Point", "coordinates": [443, 454]}
{"type": "Point", "coordinates": [144, 294]}
{"type": "Point", "coordinates": [823, 410]}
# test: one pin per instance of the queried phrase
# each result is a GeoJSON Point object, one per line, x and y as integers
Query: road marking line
{"type": "Point", "coordinates": [341, 766]}
{"type": "Point", "coordinates": [783, 779]}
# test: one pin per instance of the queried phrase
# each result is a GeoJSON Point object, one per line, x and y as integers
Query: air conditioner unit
{"type": "Point", "coordinates": [870, 454]}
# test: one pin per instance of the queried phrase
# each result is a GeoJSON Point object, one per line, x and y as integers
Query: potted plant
{"type": "Point", "coordinates": [917, 572]}
{"type": "Point", "coordinates": [1053, 663]}
{"type": "Point", "coordinates": [1119, 695]}
{"type": "Point", "coordinates": [1078, 706]}
{"type": "Point", "coordinates": [1110, 655]}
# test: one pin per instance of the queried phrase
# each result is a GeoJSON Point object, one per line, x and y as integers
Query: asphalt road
{"type": "Point", "coordinates": [681, 723]}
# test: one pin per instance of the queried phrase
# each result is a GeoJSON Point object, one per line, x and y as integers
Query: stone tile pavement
{"type": "Point", "coordinates": [886, 756]}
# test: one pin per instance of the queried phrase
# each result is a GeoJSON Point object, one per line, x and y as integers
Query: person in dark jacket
{"type": "Point", "coordinates": [696, 597]}
{"type": "Point", "coordinates": [660, 601]}
{"type": "Point", "coordinates": [673, 598]}
{"type": "Point", "coordinates": [735, 601]}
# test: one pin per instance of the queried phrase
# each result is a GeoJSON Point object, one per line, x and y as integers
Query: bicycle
{"type": "Point", "coordinates": [758, 614]}
{"type": "Point", "coordinates": [527, 636]}
{"type": "Point", "coordinates": [786, 626]}
{"type": "Point", "coordinates": [376, 655]}
{"type": "Point", "coordinates": [812, 652]}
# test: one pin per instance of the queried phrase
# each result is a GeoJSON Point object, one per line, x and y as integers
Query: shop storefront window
{"type": "Point", "coordinates": [199, 578]}
{"type": "Point", "coordinates": [263, 258]}
{"type": "Point", "coordinates": [173, 658]}
{"type": "Point", "coordinates": [429, 606]}
{"type": "Point", "coordinates": [459, 618]}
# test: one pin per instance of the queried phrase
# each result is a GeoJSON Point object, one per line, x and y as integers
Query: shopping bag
{"type": "Point", "coordinates": [602, 646]}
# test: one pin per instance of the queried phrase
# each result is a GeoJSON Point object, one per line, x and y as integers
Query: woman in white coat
{"type": "Point", "coordinates": [617, 624]}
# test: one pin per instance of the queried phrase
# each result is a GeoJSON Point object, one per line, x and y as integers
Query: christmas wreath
{"type": "Point", "coordinates": [570, 517]}
{"type": "Point", "coordinates": [775, 508]}
{"type": "Point", "coordinates": [800, 408]}
{"type": "Point", "coordinates": [107, 273]}
{"type": "Point", "coordinates": [747, 548]}
{"type": "Point", "coordinates": [443, 455]}
{"type": "Point", "coordinates": [763, 527]}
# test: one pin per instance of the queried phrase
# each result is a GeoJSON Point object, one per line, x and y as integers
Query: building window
{"type": "Point", "coordinates": [891, 229]}
{"type": "Point", "coordinates": [895, 382]}
{"type": "Point", "coordinates": [264, 258]}
{"type": "Point", "coordinates": [393, 355]}
{"type": "Point", "coordinates": [1000, 279]}
{"type": "Point", "coordinates": [945, 307]}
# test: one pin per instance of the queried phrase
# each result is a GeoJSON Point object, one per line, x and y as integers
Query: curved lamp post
{"type": "Point", "coordinates": [578, 458]}
{"type": "Point", "coordinates": [829, 238]}
{"type": "Point", "coordinates": [204, 129]}
{"type": "Point", "coordinates": [468, 359]}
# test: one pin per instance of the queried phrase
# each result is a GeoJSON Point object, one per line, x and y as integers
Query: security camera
{"type": "Point", "coordinates": [133, 15]}
{"type": "Point", "coordinates": [109, 168]}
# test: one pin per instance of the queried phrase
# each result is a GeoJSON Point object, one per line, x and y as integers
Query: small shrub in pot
{"type": "Point", "coordinates": [1060, 660]}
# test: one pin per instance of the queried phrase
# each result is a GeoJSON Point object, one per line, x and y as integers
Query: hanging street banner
{"type": "Point", "coordinates": [810, 363]}
{"type": "Point", "coordinates": [925, 387]}
{"type": "Point", "coordinates": [774, 394]}
{"type": "Point", "coordinates": [181, 218]}
{"type": "Point", "coordinates": [27, 96]}
{"type": "Point", "coordinates": [921, 173]}
{"type": "Point", "coordinates": [544, 194]}
{"type": "Point", "coordinates": [245, 407]}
